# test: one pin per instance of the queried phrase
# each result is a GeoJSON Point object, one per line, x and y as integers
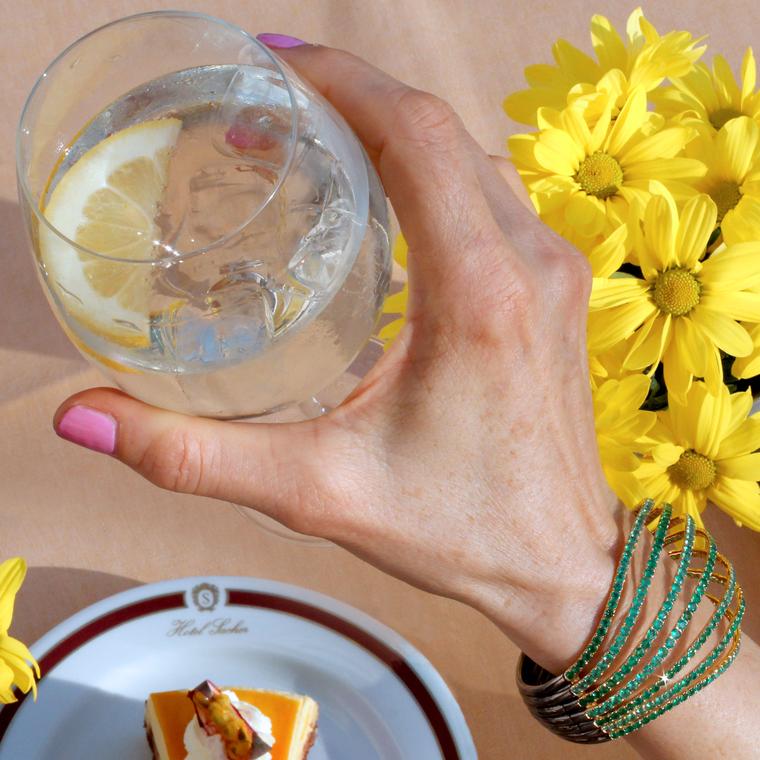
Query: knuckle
{"type": "Point", "coordinates": [335, 59]}
{"type": "Point", "coordinates": [570, 278]}
{"type": "Point", "coordinates": [178, 461]}
{"type": "Point", "coordinates": [425, 117]}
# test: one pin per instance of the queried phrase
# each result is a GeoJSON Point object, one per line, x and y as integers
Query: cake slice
{"type": "Point", "coordinates": [209, 723]}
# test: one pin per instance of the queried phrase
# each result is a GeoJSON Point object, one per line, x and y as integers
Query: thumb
{"type": "Point", "coordinates": [273, 468]}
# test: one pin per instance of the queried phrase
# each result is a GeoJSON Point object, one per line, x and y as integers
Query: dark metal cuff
{"type": "Point", "coordinates": [550, 700]}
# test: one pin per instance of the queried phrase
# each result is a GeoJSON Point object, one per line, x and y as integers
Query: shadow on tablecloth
{"type": "Point", "coordinates": [52, 594]}
{"type": "Point", "coordinates": [26, 321]}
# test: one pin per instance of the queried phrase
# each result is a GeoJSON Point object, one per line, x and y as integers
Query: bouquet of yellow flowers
{"type": "Point", "coordinates": [17, 666]}
{"type": "Point", "coordinates": [648, 161]}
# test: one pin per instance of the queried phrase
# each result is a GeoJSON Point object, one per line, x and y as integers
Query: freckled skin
{"type": "Point", "coordinates": [466, 462]}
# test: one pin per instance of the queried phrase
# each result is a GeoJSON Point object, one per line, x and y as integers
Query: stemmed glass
{"type": "Point", "coordinates": [207, 229]}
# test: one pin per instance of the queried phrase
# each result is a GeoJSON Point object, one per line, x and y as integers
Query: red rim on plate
{"type": "Point", "coordinates": [391, 658]}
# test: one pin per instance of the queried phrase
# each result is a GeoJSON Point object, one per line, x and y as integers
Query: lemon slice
{"type": "Point", "coordinates": [107, 202]}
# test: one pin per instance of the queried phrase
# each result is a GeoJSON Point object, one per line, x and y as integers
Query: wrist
{"type": "Point", "coordinates": [553, 615]}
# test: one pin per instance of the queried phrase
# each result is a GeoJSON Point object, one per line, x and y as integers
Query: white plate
{"type": "Point", "coordinates": [379, 698]}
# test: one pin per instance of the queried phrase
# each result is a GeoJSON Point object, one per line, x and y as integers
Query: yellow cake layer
{"type": "Point", "coordinates": [294, 720]}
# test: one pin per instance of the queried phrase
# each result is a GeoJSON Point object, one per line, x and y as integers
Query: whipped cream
{"type": "Point", "coordinates": [201, 746]}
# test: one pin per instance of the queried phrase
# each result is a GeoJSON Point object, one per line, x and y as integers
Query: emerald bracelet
{"type": "Point", "coordinates": [606, 694]}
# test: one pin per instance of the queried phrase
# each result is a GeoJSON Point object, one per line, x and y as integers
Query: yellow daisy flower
{"type": "Point", "coordinates": [585, 179]}
{"type": "Point", "coordinates": [683, 310]}
{"type": "Point", "coordinates": [17, 666]}
{"type": "Point", "coordinates": [713, 97]}
{"type": "Point", "coordinates": [620, 430]}
{"type": "Point", "coordinates": [732, 157]}
{"type": "Point", "coordinates": [643, 58]}
{"type": "Point", "coordinates": [398, 303]}
{"type": "Point", "coordinates": [704, 450]}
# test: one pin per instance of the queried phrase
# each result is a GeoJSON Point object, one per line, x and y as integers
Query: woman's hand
{"type": "Point", "coordinates": [465, 463]}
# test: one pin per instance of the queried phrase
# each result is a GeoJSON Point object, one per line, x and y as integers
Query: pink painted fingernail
{"type": "Point", "coordinates": [279, 41]}
{"type": "Point", "coordinates": [88, 427]}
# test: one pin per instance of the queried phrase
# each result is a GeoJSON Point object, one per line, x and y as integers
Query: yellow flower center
{"type": "Point", "coordinates": [692, 471]}
{"type": "Point", "coordinates": [676, 292]}
{"type": "Point", "coordinates": [726, 196]}
{"type": "Point", "coordinates": [722, 115]}
{"type": "Point", "coordinates": [599, 175]}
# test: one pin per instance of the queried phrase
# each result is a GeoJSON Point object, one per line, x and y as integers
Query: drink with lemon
{"type": "Point", "coordinates": [207, 228]}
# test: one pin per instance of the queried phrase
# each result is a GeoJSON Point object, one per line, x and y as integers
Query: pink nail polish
{"type": "Point", "coordinates": [279, 41]}
{"type": "Point", "coordinates": [90, 428]}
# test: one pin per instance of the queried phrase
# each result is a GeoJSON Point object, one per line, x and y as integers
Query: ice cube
{"type": "Point", "coordinates": [234, 323]}
{"type": "Point", "coordinates": [321, 252]}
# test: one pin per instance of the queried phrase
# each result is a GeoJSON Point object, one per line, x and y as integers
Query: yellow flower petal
{"type": "Point", "coordinates": [563, 145]}
{"type": "Point", "coordinates": [629, 120]}
{"type": "Point", "coordinates": [724, 332]}
{"type": "Point", "coordinates": [649, 346]}
{"type": "Point", "coordinates": [660, 225]}
{"type": "Point", "coordinates": [741, 406]}
{"type": "Point", "coordinates": [692, 504]}
{"type": "Point", "coordinates": [586, 214]}
{"type": "Point", "coordinates": [6, 684]}
{"type": "Point", "coordinates": [678, 378]}
{"type": "Point", "coordinates": [739, 263]}
{"type": "Point", "coordinates": [607, 327]}
{"type": "Point", "coordinates": [666, 169]}
{"type": "Point", "coordinates": [400, 251]}
{"type": "Point", "coordinates": [522, 148]}
{"type": "Point", "coordinates": [608, 293]}
{"type": "Point", "coordinates": [665, 144]}
{"type": "Point", "coordinates": [601, 128]}
{"type": "Point", "coordinates": [749, 74]}
{"type": "Point", "coordinates": [749, 366]}
{"type": "Point", "coordinates": [741, 305]}
{"type": "Point", "coordinates": [608, 46]}
{"type": "Point", "coordinates": [554, 161]}
{"type": "Point", "coordinates": [696, 224]}
{"type": "Point", "coordinates": [580, 66]}
{"type": "Point", "coordinates": [607, 257]}
{"type": "Point", "coordinates": [575, 125]}
{"type": "Point", "coordinates": [12, 573]}
{"type": "Point", "coordinates": [745, 467]}
{"type": "Point", "coordinates": [738, 498]}
{"type": "Point", "coordinates": [736, 146]}
{"type": "Point", "coordinates": [390, 332]}
{"type": "Point", "coordinates": [725, 81]}
{"type": "Point", "coordinates": [397, 303]}
{"type": "Point", "coordinates": [20, 660]}
{"type": "Point", "coordinates": [742, 223]}
{"type": "Point", "coordinates": [744, 441]}
{"type": "Point", "coordinates": [701, 419]}
{"type": "Point", "coordinates": [522, 106]}
{"type": "Point", "coordinates": [666, 454]}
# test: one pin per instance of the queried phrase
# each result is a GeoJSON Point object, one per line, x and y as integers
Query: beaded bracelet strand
{"type": "Point", "coordinates": [633, 613]}
{"type": "Point", "coordinates": [648, 639]}
{"type": "Point", "coordinates": [595, 700]}
{"type": "Point", "coordinates": [662, 652]}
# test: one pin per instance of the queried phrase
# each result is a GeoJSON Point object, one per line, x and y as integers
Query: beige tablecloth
{"type": "Point", "coordinates": [89, 527]}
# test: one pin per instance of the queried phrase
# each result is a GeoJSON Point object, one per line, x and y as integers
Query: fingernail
{"type": "Point", "coordinates": [279, 41]}
{"type": "Point", "coordinates": [90, 428]}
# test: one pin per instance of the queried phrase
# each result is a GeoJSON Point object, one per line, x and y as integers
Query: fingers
{"type": "Point", "coordinates": [426, 159]}
{"type": "Point", "coordinates": [273, 468]}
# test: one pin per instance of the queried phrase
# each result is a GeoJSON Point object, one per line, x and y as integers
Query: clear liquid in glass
{"type": "Point", "coordinates": [270, 265]}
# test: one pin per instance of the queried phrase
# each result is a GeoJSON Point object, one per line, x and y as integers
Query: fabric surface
{"type": "Point", "coordinates": [89, 527]}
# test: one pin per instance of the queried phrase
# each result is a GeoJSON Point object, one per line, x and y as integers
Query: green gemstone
{"type": "Point", "coordinates": [633, 613]}
{"type": "Point", "coordinates": [686, 687]}
{"type": "Point", "coordinates": [620, 574]}
{"type": "Point", "coordinates": [635, 683]}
